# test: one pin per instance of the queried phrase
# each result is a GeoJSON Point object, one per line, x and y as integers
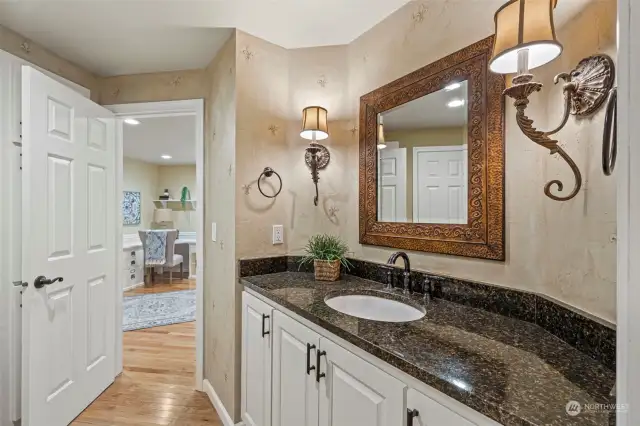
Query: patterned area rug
{"type": "Point", "coordinates": [152, 310]}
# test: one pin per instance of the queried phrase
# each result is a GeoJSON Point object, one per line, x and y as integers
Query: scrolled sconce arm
{"type": "Point", "coordinates": [586, 88]}
{"type": "Point", "coordinates": [520, 91]}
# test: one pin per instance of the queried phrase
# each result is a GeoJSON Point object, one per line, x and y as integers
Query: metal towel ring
{"type": "Point", "coordinates": [610, 134]}
{"type": "Point", "coordinates": [268, 172]}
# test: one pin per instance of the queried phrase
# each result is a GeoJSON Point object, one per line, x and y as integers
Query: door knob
{"type": "Point", "coordinates": [411, 414]}
{"type": "Point", "coordinates": [41, 281]}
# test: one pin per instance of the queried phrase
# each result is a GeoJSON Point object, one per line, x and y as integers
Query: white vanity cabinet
{"type": "Point", "coordinates": [295, 373]}
{"type": "Point", "coordinates": [316, 382]}
{"type": "Point", "coordinates": [295, 386]}
{"type": "Point", "coordinates": [430, 413]}
{"type": "Point", "coordinates": [256, 361]}
{"type": "Point", "coordinates": [355, 392]}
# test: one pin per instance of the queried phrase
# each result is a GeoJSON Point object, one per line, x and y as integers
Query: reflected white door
{"type": "Point", "coordinates": [392, 195]}
{"type": "Point", "coordinates": [440, 184]}
{"type": "Point", "coordinates": [69, 212]}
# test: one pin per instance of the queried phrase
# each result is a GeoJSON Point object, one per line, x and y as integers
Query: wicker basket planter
{"type": "Point", "coordinates": [327, 270]}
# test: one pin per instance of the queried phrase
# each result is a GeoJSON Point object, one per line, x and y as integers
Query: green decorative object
{"type": "Point", "coordinates": [186, 195]}
{"type": "Point", "coordinates": [327, 252]}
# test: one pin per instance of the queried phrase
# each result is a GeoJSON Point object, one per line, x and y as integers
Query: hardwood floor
{"type": "Point", "coordinates": [163, 286]}
{"type": "Point", "coordinates": [156, 386]}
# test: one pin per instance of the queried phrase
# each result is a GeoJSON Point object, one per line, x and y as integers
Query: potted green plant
{"type": "Point", "coordinates": [327, 252]}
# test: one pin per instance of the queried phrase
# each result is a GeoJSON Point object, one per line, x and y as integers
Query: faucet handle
{"type": "Point", "coordinates": [389, 276]}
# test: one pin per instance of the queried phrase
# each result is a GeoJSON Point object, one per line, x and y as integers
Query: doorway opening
{"type": "Point", "coordinates": [159, 332]}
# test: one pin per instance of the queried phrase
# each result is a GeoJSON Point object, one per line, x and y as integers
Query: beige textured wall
{"type": "Point", "coordinates": [152, 87]}
{"type": "Point", "coordinates": [142, 177]}
{"type": "Point", "coordinates": [174, 178]}
{"type": "Point", "coordinates": [222, 294]}
{"type": "Point", "coordinates": [409, 139]}
{"type": "Point", "coordinates": [578, 257]}
{"type": "Point", "coordinates": [24, 48]}
{"type": "Point", "coordinates": [561, 249]}
{"type": "Point", "coordinates": [578, 270]}
{"type": "Point", "coordinates": [274, 85]}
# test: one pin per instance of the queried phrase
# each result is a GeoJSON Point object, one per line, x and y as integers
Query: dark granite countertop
{"type": "Point", "coordinates": [510, 370]}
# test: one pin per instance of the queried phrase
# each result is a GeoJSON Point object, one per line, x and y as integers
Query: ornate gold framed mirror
{"type": "Point", "coordinates": [432, 159]}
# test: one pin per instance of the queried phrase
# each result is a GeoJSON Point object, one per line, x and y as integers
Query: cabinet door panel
{"type": "Point", "coordinates": [431, 413]}
{"type": "Point", "coordinates": [356, 393]}
{"type": "Point", "coordinates": [256, 361]}
{"type": "Point", "coordinates": [295, 391]}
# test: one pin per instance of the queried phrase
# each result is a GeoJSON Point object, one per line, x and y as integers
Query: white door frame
{"type": "Point", "coordinates": [627, 174]}
{"type": "Point", "coordinates": [193, 107]}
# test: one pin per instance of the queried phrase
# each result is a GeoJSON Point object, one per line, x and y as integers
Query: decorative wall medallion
{"type": "Point", "coordinates": [274, 129]}
{"type": "Point", "coordinates": [354, 130]}
{"type": "Point", "coordinates": [131, 208]}
{"type": "Point", "coordinates": [246, 189]}
{"type": "Point", "coordinates": [333, 210]}
{"type": "Point", "coordinates": [176, 81]}
{"type": "Point", "coordinates": [116, 92]}
{"type": "Point", "coordinates": [593, 78]}
{"type": "Point", "coordinates": [322, 81]}
{"type": "Point", "coordinates": [26, 46]}
{"type": "Point", "coordinates": [247, 53]}
{"type": "Point", "coordinates": [323, 157]}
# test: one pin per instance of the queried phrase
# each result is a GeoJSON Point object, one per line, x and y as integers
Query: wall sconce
{"type": "Point", "coordinates": [382, 144]}
{"type": "Point", "coordinates": [315, 127]}
{"type": "Point", "coordinates": [525, 39]}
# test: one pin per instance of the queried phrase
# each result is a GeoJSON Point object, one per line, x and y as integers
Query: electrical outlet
{"type": "Point", "coordinates": [278, 234]}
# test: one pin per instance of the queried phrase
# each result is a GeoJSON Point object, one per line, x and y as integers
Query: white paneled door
{"type": "Point", "coordinates": [440, 184]}
{"type": "Point", "coordinates": [392, 197]}
{"type": "Point", "coordinates": [69, 233]}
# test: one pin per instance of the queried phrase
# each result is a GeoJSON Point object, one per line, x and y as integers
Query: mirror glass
{"type": "Point", "coordinates": [422, 159]}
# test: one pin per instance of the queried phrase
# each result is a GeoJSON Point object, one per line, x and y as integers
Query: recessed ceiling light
{"type": "Point", "coordinates": [131, 121]}
{"type": "Point", "coordinates": [166, 157]}
{"type": "Point", "coordinates": [452, 86]}
{"type": "Point", "coordinates": [455, 103]}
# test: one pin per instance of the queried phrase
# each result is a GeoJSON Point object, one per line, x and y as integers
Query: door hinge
{"type": "Point", "coordinates": [22, 284]}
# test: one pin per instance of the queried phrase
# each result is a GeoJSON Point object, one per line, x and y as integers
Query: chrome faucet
{"type": "Point", "coordinates": [407, 269]}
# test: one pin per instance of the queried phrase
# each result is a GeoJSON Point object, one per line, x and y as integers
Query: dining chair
{"type": "Point", "coordinates": [171, 258]}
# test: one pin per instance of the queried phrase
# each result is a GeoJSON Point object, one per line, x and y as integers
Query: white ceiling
{"type": "Point", "coordinates": [112, 37]}
{"type": "Point", "coordinates": [429, 111]}
{"type": "Point", "coordinates": [158, 136]}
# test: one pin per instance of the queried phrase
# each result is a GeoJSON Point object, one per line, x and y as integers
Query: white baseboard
{"type": "Point", "coordinates": [217, 404]}
{"type": "Point", "coordinates": [131, 287]}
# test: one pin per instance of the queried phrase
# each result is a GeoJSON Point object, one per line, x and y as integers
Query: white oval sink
{"type": "Point", "coordinates": [374, 308]}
